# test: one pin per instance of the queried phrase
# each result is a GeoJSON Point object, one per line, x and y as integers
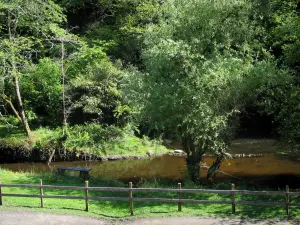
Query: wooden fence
{"type": "Point", "coordinates": [130, 190]}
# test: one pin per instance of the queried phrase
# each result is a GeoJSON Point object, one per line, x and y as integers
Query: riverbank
{"type": "Point", "coordinates": [118, 210]}
{"type": "Point", "coordinates": [89, 142]}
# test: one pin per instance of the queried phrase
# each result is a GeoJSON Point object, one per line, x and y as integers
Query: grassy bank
{"type": "Point", "coordinates": [91, 139]}
{"type": "Point", "coordinates": [117, 210]}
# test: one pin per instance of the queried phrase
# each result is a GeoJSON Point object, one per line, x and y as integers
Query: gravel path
{"type": "Point", "coordinates": [37, 218]}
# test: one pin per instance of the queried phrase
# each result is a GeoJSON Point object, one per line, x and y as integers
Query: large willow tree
{"type": "Point", "coordinates": [197, 60]}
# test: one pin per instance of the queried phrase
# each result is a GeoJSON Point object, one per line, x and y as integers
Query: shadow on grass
{"type": "Point", "coordinates": [11, 132]}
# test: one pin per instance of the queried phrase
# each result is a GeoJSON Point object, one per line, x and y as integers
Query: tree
{"type": "Point", "coordinates": [24, 25]}
{"type": "Point", "coordinates": [279, 98]}
{"type": "Point", "coordinates": [117, 22]}
{"type": "Point", "coordinates": [286, 33]}
{"type": "Point", "coordinates": [42, 87]}
{"type": "Point", "coordinates": [197, 61]}
{"type": "Point", "coordinates": [94, 86]}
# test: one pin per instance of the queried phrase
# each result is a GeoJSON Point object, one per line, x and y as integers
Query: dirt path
{"type": "Point", "coordinates": [37, 218]}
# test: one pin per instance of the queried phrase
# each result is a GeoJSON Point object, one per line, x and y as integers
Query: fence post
{"type": "Point", "coordinates": [41, 193]}
{"type": "Point", "coordinates": [130, 199]}
{"type": "Point", "coordinates": [0, 193]}
{"type": "Point", "coordinates": [233, 198]}
{"type": "Point", "coordinates": [287, 199]}
{"type": "Point", "coordinates": [86, 195]}
{"type": "Point", "coordinates": [179, 197]}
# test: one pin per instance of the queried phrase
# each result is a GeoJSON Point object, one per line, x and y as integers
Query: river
{"type": "Point", "coordinates": [270, 169]}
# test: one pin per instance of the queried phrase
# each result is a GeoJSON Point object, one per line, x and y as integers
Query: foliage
{"type": "Point", "coordinates": [92, 136]}
{"type": "Point", "coordinates": [109, 141]}
{"type": "Point", "coordinates": [94, 87]}
{"type": "Point", "coordinates": [92, 139]}
{"type": "Point", "coordinates": [197, 65]}
{"type": "Point", "coordinates": [42, 83]}
{"type": "Point", "coordinates": [18, 47]}
{"type": "Point", "coordinates": [281, 98]}
{"type": "Point", "coordinates": [282, 101]}
{"type": "Point", "coordinates": [24, 26]}
{"type": "Point", "coordinates": [122, 24]}
{"type": "Point", "coordinates": [197, 62]}
{"type": "Point", "coordinates": [286, 32]}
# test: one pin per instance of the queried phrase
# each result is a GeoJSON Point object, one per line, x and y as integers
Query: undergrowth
{"type": "Point", "coordinates": [92, 138]}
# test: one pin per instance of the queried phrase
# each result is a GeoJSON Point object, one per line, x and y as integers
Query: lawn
{"type": "Point", "coordinates": [118, 209]}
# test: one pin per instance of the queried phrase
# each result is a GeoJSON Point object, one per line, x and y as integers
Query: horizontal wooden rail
{"type": "Point", "coordinates": [122, 189]}
{"type": "Point", "coordinates": [132, 190]}
{"type": "Point", "coordinates": [110, 198]}
{"type": "Point", "coordinates": [260, 203]}
{"type": "Point", "coordinates": [44, 186]}
{"type": "Point", "coordinates": [168, 200]}
{"type": "Point", "coordinates": [245, 192]}
{"type": "Point", "coordinates": [44, 196]}
{"type": "Point", "coordinates": [226, 192]}
{"type": "Point", "coordinates": [165, 200]}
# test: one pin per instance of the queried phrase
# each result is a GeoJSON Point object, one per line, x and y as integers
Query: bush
{"type": "Point", "coordinates": [92, 135]}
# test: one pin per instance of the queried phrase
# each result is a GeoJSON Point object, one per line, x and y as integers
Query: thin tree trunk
{"type": "Point", "coordinates": [21, 108]}
{"type": "Point", "coordinates": [16, 79]}
{"type": "Point", "coordinates": [8, 100]}
{"type": "Point", "coordinates": [214, 169]}
{"type": "Point", "coordinates": [52, 153]}
{"type": "Point", "coordinates": [63, 88]}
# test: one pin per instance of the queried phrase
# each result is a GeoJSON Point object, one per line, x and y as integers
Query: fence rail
{"type": "Point", "coordinates": [130, 190]}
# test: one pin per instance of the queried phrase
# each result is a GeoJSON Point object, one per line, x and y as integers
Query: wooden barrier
{"type": "Point", "coordinates": [286, 194]}
{"type": "Point", "coordinates": [287, 200]}
{"type": "Point", "coordinates": [0, 193]}
{"type": "Point", "coordinates": [179, 197]}
{"type": "Point", "coordinates": [86, 196]}
{"type": "Point", "coordinates": [130, 199]}
{"type": "Point", "coordinates": [233, 198]}
{"type": "Point", "coordinates": [41, 193]}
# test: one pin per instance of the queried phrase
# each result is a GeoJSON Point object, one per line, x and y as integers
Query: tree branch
{"type": "Point", "coordinates": [8, 100]}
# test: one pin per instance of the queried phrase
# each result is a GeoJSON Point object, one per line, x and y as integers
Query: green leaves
{"type": "Point", "coordinates": [198, 64]}
{"type": "Point", "coordinates": [95, 84]}
{"type": "Point", "coordinates": [41, 87]}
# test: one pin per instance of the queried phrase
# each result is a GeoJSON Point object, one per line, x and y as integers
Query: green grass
{"type": "Point", "coordinates": [118, 210]}
{"type": "Point", "coordinates": [133, 146]}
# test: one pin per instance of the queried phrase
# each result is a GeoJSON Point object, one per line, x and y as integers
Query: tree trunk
{"type": "Point", "coordinates": [52, 153]}
{"type": "Point", "coordinates": [214, 169]}
{"type": "Point", "coordinates": [194, 156]}
{"type": "Point", "coordinates": [21, 108]}
{"type": "Point", "coordinates": [15, 76]}
{"type": "Point", "coordinates": [8, 101]}
{"type": "Point", "coordinates": [193, 166]}
{"type": "Point", "coordinates": [63, 74]}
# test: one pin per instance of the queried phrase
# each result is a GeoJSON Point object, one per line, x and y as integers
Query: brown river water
{"type": "Point", "coordinates": [270, 169]}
